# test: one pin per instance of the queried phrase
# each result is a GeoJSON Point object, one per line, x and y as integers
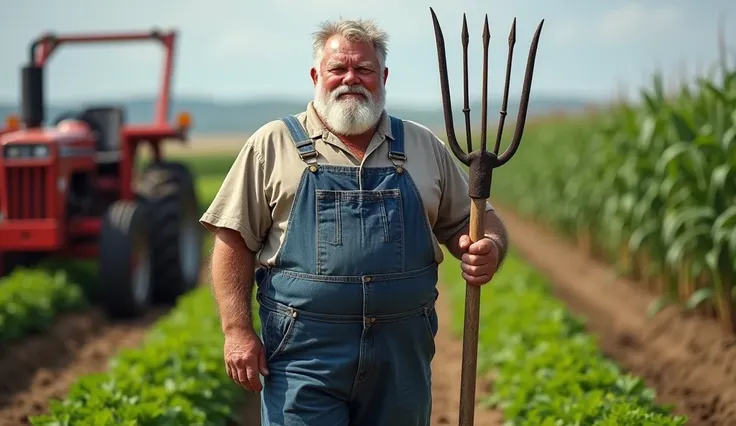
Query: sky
{"type": "Point", "coordinates": [237, 49]}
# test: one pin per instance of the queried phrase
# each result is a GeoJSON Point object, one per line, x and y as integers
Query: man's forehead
{"type": "Point", "coordinates": [334, 45]}
{"type": "Point", "coordinates": [340, 46]}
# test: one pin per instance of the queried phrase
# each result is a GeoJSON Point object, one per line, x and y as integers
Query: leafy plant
{"type": "Point", "coordinates": [177, 377]}
{"type": "Point", "coordinates": [30, 300]}
{"type": "Point", "coordinates": [546, 369]}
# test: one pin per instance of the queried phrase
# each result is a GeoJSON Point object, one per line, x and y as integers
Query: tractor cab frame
{"type": "Point", "coordinates": [70, 189]}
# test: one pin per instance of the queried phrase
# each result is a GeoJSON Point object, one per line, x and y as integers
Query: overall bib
{"type": "Point", "coordinates": [347, 312]}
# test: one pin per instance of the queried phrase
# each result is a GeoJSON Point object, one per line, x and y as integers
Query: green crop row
{"type": "Point", "coordinates": [176, 376]}
{"type": "Point", "coordinates": [547, 371]}
{"type": "Point", "coordinates": [649, 187]}
{"type": "Point", "coordinates": [30, 300]}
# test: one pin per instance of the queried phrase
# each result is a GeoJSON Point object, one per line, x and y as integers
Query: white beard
{"type": "Point", "coordinates": [349, 116]}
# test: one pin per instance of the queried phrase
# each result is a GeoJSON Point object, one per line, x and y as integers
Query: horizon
{"type": "Point", "coordinates": [263, 99]}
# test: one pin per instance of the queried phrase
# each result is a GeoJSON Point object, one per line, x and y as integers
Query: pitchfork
{"type": "Point", "coordinates": [481, 164]}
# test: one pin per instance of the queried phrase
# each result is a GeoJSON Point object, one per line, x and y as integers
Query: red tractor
{"type": "Point", "coordinates": [70, 190]}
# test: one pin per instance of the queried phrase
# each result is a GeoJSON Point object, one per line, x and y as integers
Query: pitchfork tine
{"type": "Point", "coordinates": [445, 87]}
{"type": "Point", "coordinates": [504, 105]}
{"type": "Point", "coordinates": [524, 104]}
{"type": "Point", "coordinates": [465, 37]}
{"type": "Point", "coordinates": [484, 99]}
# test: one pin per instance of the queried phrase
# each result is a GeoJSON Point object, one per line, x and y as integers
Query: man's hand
{"type": "Point", "coordinates": [245, 358]}
{"type": "Point", "coordinates": [480, 260]}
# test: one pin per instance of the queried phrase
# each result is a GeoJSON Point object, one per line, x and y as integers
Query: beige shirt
{"type": "Point", "coordinates": [257, 193]}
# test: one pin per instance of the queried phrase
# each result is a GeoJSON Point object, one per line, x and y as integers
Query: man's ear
{"type": "Point", "coordinates": [313, 74]}
{"type": "Point", "coordinates": [385, 75]}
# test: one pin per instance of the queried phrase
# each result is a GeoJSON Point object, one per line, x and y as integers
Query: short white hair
{"type": "Point", "coordinates": [360, 30]}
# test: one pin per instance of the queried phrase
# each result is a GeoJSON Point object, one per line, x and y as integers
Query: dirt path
{"type": "Point", "coordinates": [44, 366]}
{"type": "Point", "coordinates": [447, 366]}
{"type": "Point", "coordinates": [445, 386]}
{"type": "Point", "coordinates": [689, 361]}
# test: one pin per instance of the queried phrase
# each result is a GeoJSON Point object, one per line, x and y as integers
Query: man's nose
{"type": "Point", "coordinates": [351, 77]}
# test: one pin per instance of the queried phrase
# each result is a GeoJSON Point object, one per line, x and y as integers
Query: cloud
{"type": "Point", "coordinates": [565, 30]}
{"type": "Point", "coordinates": [282, 25]}
{"type": "Point", "coordinates": [231, 42]}
{"type": "Point", "coordinates": [632, 21]}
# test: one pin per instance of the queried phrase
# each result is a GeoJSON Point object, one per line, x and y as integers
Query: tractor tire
{"type": "Point", "coordinates": [125, 260]}
{"type": "Point", "coordinates": [176, 237]}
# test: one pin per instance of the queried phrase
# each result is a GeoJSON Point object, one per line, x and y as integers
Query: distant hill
{"type": "Point", "coordinates": [213, 117]}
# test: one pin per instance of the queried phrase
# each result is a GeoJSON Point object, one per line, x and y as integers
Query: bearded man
{"type": "Point", "coordinates": [341, 210]}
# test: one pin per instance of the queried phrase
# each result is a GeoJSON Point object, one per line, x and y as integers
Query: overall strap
{"type": "Point", "coordinates": [301, 140]}
{"type": "Point", "coordinates": [396, 152]}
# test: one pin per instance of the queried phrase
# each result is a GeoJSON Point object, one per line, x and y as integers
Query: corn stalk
{"type": "Point", "coordinates": [650, 187]}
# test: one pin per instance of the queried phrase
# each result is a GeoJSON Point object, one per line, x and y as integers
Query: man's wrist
{"type": "Point", "coordinates": [240, 328]}
{"type": "Point", "coordinates": [501, 247]}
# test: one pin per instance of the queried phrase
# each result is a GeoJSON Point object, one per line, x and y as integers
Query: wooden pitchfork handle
{"type": "Point", "coordinates": [481, 164]}
{"type": "Point", "coordinates": [471, 323]}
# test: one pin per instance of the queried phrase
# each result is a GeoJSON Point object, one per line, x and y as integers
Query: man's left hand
{"type": "Point", "coordinates": [480, 260]}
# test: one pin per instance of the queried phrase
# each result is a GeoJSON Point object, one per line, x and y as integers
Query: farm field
{"type": "Point", "coordinates": [615, 302]}
{"type": "Point", "coordinates": [174, 370]}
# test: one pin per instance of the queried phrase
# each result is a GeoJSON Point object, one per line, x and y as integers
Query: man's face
{"type": "Point", "coordinates": [349, 87]}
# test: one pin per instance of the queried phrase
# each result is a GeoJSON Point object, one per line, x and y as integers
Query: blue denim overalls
{"type": "Point", "coordinates": [347, 312]}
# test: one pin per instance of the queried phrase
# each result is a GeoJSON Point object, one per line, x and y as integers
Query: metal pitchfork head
{"type": "Point", "coordinates": [481, 163]}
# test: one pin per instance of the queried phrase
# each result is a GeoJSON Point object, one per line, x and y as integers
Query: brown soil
{"type": "Point", "coordinates": [446, 377]}
{"type": "Point", "coordinates": [445, 386]}
{"type": "Point", "coordinates": [42, 367]}
{"type": "Point", "coordinates": [689, 361]}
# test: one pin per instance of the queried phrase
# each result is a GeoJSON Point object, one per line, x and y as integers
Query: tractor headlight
{"type": "Point", "coordinates": [18, 152]}
{"type": "Point", "coordinates": [13, 152]}
{"type": "Point", "coordinates": [41, 151]}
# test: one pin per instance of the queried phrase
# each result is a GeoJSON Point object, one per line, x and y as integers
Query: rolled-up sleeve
{"type": "Point", "coordinates": [241, 202]}
{"type": "Point", "coordinates": [454, 207]}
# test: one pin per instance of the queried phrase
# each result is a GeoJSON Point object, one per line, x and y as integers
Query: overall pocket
{"type": "Point", "coordinates": [359, 232]}
{"type": "Point", "coordinates": [276, 331]}
{"type": "Point", "coordinates": [431, 321]}
{"type": "Point", "coordinates": [432, 325]}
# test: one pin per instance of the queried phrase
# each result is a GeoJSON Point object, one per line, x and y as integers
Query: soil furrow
{"type": "Point", "coordinates": [43, 366]}
{"type": "Point", "coordinates": [689, 361]}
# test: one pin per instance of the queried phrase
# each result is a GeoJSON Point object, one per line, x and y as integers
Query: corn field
{"type": "Point", "coordinates": [649, 187]}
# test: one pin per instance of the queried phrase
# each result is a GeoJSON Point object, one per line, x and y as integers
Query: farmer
{"type": "Point", "coordinates": [342, 210]}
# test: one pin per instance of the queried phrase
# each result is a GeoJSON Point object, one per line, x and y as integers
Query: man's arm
{"type": "Point", "coordinates": [240, 218]}
{"type": "Point", "coordinates": [232, 284]}
{"type": "Point", "coordinates": [494, 230]}
{"type": "Point", "coordinates": [232, 281]}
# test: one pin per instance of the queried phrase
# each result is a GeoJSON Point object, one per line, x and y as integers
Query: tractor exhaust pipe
{"type": "Point", "coordinates": [32, 108]}
{"type": "Point", "coordinates": [32, 101]}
